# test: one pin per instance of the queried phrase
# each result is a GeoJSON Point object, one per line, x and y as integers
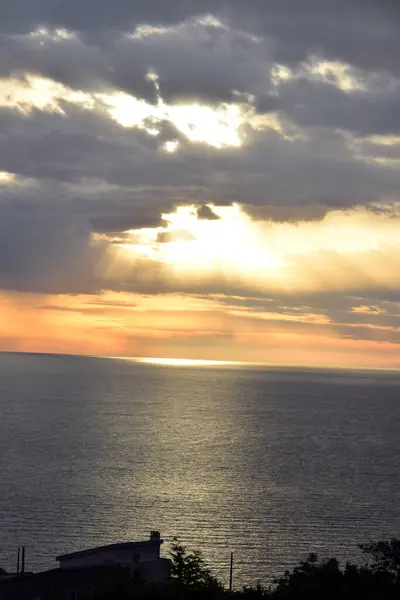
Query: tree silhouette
{"type": "Point", "coordinates": [190, 571]}
{"type": "Point", "coordinates": [386, 556]}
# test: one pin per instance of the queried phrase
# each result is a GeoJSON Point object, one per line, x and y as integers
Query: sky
{"type": "Point", "coordinates": [213, 179]}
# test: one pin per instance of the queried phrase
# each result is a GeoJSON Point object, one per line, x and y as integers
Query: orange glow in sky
{"type": "Point", "coordinates": [228, 288]}
{"type": "Point", "coordinates": [171, 326]}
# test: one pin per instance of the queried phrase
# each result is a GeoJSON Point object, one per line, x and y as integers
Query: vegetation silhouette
{"type": "Point", "coordinates": [311, 579]}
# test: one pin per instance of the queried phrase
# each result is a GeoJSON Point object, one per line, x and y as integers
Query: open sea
{"type": "Point", "coordinates": [269, 463]}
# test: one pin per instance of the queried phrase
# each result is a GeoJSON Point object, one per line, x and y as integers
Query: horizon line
{"type": "Point", "coordinates": [180, 361]}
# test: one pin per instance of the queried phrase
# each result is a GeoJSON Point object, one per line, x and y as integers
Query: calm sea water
{"type": "Point", "coordinates": [267, 463]}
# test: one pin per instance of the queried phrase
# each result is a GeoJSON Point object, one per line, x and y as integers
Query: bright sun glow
{"type": "Point", "coordinates": [230, 242]}
{"type": "Point", "coordinates": [171, 146]}
{"type": "Point", "coordinates": [182, 362]}
{"type": "Point", "coordinates": [6, 178]}
{"type": "Point", "coordinates": [230, 246]}
{"type": "Point", "coordinates": [216, 126]}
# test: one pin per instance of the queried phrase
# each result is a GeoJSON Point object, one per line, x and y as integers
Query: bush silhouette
{"type": "Point", "coordinates": [311, 579]}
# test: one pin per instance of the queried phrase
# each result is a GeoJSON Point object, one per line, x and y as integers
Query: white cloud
{"type": "Point", "coordinates": [216, 126]}
{"type": "Point", "coordinates": [40, 93]}
{"type": "Point", "coordinates": [344, 76]}
{"type": "Point", "coordinates": [59, 34]}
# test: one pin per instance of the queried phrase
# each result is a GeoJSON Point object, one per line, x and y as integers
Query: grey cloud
{"type": "Point", "coordinates": [362, 332]}
{"type": "Point", "coordinates": [206, 212]}
{"type": "Point", "coordinates": [337, 307]}
{"type": "Point", "coordinates": [47, 252]}
{"type": "Point", "coordinates": [309, 212]}
{"type": "Point", "coordinates": [365, 33]}
{"type": "Point", "coordinates": [94, 15]}
{"type": "Point", "coordinates": [194, 62]}
{"type": "Point", "coordinates": [83, 144]}
{"type": "Point", "coordinates": [106, 209]}
{"type": "Point", "coordinates": [296, 177]}
{"type": "Point", "coordinates": [375, 150]}
{"type": "Point", "coordinates": [378, 326]}
{"type": "Point", "coordinates": [363, 112]}
{"type": "Point", "coordinates": [303, 172]}
{"type": "Point", "coordinates": [197, 62]}
{"type": "Point", "coordinates": [124, 220]}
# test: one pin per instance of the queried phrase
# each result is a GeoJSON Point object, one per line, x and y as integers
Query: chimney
{"type": "Point", "coordinates": [155, 536]}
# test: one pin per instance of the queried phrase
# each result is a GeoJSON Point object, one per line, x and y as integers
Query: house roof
{"type": "Point", "coordinates": [118, 546]}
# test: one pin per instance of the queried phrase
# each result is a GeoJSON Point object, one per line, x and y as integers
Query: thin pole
{"type": "Point", "coordinates": [18, 557]}
{"type": "Point", "coordinates": [23, 561]}
{"type": "Point", "coordinates": [231, 574]}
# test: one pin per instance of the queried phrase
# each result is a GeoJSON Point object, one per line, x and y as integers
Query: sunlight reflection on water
{"type": "Point", "coordinates": [267, 463]}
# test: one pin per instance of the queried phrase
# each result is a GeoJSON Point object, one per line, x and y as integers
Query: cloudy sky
{"type": "Point", "coordinates": [205, 179]}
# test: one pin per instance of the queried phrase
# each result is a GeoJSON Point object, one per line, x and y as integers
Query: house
{"type": "Point", "coordinates": [84, 574]}
{"type": "Point", "coordinates": [142, 558]}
